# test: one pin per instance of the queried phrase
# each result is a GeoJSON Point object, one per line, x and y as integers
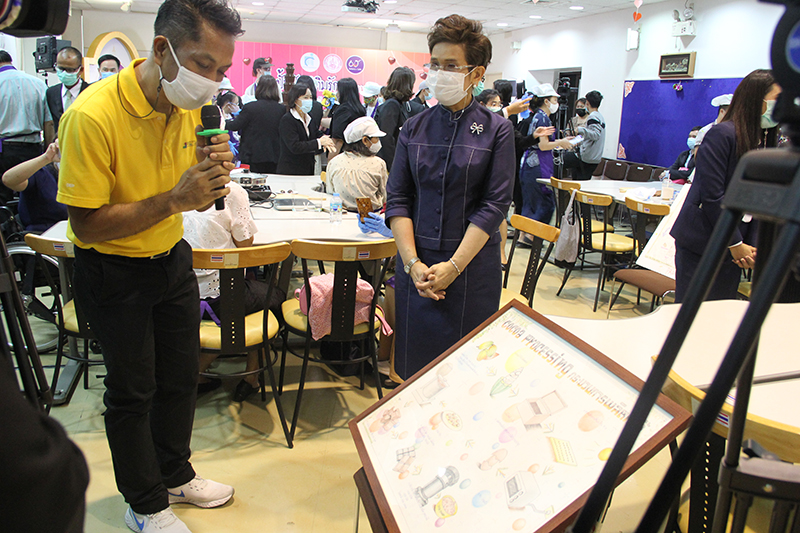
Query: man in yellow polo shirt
{"type": "Point", "coordinates": [131, 163]}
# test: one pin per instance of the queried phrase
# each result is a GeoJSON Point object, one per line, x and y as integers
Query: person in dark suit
{"type": "Point", "coordinates": [395, 111]}
{"type": "Point", "coordinates": [316, 107]}
{"type": "Point", "coordinates": [298, 146]}
{"type": "Point", "coordinates": [748, 125]}
{"type": "Point", "coordinates": [349, 109]}
{"type": "Point", "coordinates": [69, 67]}
{"type": "Point", "coordinates": [260, 144]}
{"type": "Point", "coordinates": [682, 168]}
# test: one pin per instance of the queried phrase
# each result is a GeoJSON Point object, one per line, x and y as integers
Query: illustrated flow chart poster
{"type": "Point", "coordinates": [506, 432]}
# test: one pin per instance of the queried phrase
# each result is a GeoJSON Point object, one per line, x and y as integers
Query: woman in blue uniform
{"type": "Point", "coordinates": [449, 188]}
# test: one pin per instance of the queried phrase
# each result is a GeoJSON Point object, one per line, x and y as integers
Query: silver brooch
{"type": "Point", "coordinates": [476, 128]}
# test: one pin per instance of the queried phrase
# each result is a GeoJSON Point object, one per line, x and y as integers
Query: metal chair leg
{"type": "Point", "coordinates": [301, 386]}
{"type": "Point", "coordinates": [278, 405]}
{"type": "Point", "coordinates": [567, 272]}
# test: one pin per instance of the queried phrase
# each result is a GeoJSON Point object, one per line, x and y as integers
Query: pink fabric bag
{"type": "Point", "coordinates": [319, 316]}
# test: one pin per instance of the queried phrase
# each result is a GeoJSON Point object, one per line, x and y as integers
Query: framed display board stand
{"type": "Point", "coordinates": [506, 431]}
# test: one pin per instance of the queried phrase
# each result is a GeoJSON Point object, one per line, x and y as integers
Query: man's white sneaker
{"type": "Point", "coordinates": [162, 522]}
{"type": "Point", "coordinates": [201, 492]}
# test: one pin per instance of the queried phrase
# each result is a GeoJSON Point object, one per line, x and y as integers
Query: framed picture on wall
{"type": "Point", "coordinates": [677, 65]}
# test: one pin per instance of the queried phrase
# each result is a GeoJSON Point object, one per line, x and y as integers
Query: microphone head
{"type": "Point", "coordinates": [211, 117]}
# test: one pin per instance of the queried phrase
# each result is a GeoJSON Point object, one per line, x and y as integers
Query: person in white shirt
{"type": "Point", "coordinates": [722, 102]}
{"type": "Point", "coordinates": [358, 172]}
{"type": "Point", "coordinates": [371, 91]}
{"type": "Point", "coordinates": [260, 67]}
{"type": "Point", "coordinates": [232, 227]}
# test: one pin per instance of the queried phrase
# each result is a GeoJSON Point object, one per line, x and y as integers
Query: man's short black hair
{"type": "Point", "coordinates": [106, 57]}
{"type": "Point", "coordinates": [182, 20]}
{"type": "Point", "coordinates": [580, 101]}
{"type": "Point", "coordinates": [594, 98]}
{"type": "Point", "coordinates": [696, 128]}
{"type": "Point", "coordinates": [72, 51]}
{"type": "Point", "coordinates": [5, 57]}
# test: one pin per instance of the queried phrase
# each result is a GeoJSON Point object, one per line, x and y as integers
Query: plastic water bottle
{"type": "Point", "coordinates": [336, 209]}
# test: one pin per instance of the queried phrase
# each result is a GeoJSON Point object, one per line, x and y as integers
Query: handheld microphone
{"type": "Point", "coordinates": [213, 124]}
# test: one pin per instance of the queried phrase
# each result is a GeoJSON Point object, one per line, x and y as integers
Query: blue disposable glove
{"type": "Point", "coordinates": [374, 223]}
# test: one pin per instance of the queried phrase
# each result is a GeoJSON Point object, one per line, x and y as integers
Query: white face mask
{"type": "Point", "coordinates": [375, 148]}
{"type": "Point", "coordinates": [189, 90]}
{"type": "Point", "coordinates": [553, 108]}
{"type": "Point", "coordinates": [495, 109]}
{"type": "Point", "coordinates": [447, 87]}
{"type": "Point", "coordinates": [767, 121]}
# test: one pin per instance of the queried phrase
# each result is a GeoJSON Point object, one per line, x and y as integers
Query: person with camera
{"type": "Point", "coordinates": [537, 162]}
{"type": "Point", "coordinates": [589, 152]}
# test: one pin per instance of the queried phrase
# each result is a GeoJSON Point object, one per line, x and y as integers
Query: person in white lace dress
{"type": "Point", "coordinates": [232, 227]}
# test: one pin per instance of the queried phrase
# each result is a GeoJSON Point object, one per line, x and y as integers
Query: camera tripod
{"type": "Point", "coordinates": [766, 184]}
{"type": "Point", "coordinates": [25, 354]}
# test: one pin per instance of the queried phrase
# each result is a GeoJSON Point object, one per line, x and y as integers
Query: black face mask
{"type": "Point", "coordinates": [581, 112]}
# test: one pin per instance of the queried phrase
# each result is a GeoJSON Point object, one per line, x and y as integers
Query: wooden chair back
{"type": "Point", "coordinates": [586, 201]}
{"type": "Point", "coordinates": [616, 170]}
{"type": "Point", "coordinates": [639, 173]}
{"type": "Point", "coordinates": [600, 168]}
{"type": "Point", "coordinates": [51, 247]}
{"type": "Point", "coordinates": [348, 259]}
{"type": "Point", "coordinates": [642, 215]}
{"type": "Point", "coordinates": [232, 265]}
{"type": "Point", "coordinates": [540, 232]}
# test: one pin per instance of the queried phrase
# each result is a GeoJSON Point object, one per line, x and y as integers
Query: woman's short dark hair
{"type": "Point", "coordinates": [401, 84]}
{"type": "Point", "coordinates": [229, 97]}
{"type": "Point", "coordinates": [182, 20]}
{"type": "Point", "coordinates": [267, 89]}
{"type": "Point", "coordinates": [349, 97]}
{"type": "Point", "coordinates": [581, 101]}
{"type": "Point", "coordinates": [486, 95]}
{"type": "Point", "coordinates": [5, 57]}
{"type": "Point", "coordinates": [745, 111]}
{"type": "Point", "coordinates": [297, 90]}
{"type": "Point", "coordinates": [505, 89]}
{"type": "Point", "coordinates": [594, 98]}
{"type": "Point", "coordinates": [308, 81]}
{"type": "Point", "coordinates": [468, 33]}
{"type": "Point", "coordinates": [357, 147]}
{"type": "Point", "coordinates": [259, 63]}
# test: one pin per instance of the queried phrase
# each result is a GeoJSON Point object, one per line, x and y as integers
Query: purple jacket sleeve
{"type": "Point", "coordinates": [400, 189]}
{"type": "Point", "coordinates": [499, 183]}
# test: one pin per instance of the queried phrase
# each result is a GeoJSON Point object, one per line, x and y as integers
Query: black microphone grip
{"type": "Point", "coordinates": [213, 124]}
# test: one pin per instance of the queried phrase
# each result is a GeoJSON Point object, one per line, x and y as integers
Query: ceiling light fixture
{"type": "Point", "coordinates": [576, 8]}
{"type": "Point", "coordinates": [534, 16]}
{"type": "Point", "coordinates": [392, 28]}
{"type": "Point", "coordinates": [258, 3]}
{"type": "Point", "coordinates": [502, 24]}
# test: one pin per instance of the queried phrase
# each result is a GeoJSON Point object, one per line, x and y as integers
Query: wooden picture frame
{"type": "Point", "coordinates": [677, 65]}
{"type": "Point", "coordinates": [379, 443]}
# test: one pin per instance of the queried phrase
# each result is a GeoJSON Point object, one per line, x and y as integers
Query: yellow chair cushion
{"type": "Point", "coordinates": [297, 321]}
{"type": "Point", "coordinates": [614, 242]}
{"type": "Point", "coordinates": [70, 317]}
{"type": "Point", "coordinates": [211, 336]}
{"type": "Point", "coordinates": [597, 227]}
{"type": "Point", "coordinates": [507, 295]}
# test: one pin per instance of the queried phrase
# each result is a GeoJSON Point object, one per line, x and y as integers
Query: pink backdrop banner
{"type": "Point", "coordinates": [327, 65]}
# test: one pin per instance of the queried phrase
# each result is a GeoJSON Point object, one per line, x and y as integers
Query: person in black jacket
{"type": "Point", "coordinates": [298, 146]}
{"type": "Point", "coordinates": [682, 168]}
{"type": "Point", "coordinates": [393, 113]}
{"type": "Point", "coordinates": [748, 125]}
{"type": "Point", "coordinates": [349, 109]}
{"type": "Point", "coordinates": [260, 145]}
{"type": "Point", "coordinates": [69, 67]}
{"type": "Point", "coordinates": [316, 107]}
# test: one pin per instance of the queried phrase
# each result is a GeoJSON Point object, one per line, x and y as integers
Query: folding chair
{"type": "Point", "coordinates": [616, 170]}
{"type": "Point", "coordinates": [637, 172]}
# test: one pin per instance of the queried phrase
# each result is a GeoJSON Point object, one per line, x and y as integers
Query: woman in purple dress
{"type": "Point", "coordinates": [449, 188]}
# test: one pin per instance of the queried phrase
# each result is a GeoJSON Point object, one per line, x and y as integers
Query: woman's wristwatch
{"type": "Point", "coordinates": [407, 267]}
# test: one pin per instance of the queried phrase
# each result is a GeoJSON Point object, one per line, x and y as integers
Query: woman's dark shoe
{"type": "Point", "coordinates": [208, 386]}
{"type": "Point", "coordinates": [243, 391]}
